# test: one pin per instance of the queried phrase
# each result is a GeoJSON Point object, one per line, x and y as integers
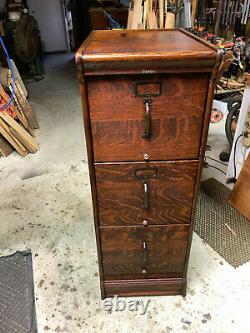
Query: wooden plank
{"type": "Point", "coordinates": [6, 127]}
{"type": "Point", "coordinates": [170, 21]}
{"type": "Point", "coordinates": [152, 22]}
{"type": "Point", "coordinates": [161, 14]}
{"type": "Point", "coordinates": [223, 67]}
{"type": "Point", "coordinates": [6, 97]}
{"type": "Point", "coordinates": [16, 110]}
{"type": "Point", "coordinates": [193, 14]}
{"type": "Point", "coordinates": [130, 16]}
{"type": "Point", "coordinates": [5, 147]}
{"type": "Point", "coordinates": [150, 6]}
{"type": "Point", "coordinates": [136, 14]}
{"type": "Point", "coordinates": [29, 114]}
{"type": "Point", "coordinates": [20, 115]}
{"type": "Point", "coordinates": [5, 77]}
{"type": "Point", "coordinates": [4, 130]}
{"type": "Point", "coordinates": [30, 142]}
{"type": "Point", "coordinates": [140, 20]}
{"type": "Point", "coordinates": [240, 196]}
{"type": "Point", "coordinates": [145, 12]}
{"type": "Point", "coordinates": [141, 26]}
{"type": "Point", "coordinates": [30, 148]}
{"type": "Point", "coordinates": [19, 79]}
{"type": "Point", "coordinates": [219, 11]}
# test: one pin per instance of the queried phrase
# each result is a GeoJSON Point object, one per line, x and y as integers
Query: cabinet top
{"type": "Point", "coordinates": [145, 51]}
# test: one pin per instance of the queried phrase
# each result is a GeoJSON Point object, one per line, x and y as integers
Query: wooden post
{"type": "Point", "coordinates": [218, 18]}
{"type": "Point", "coordinates": [194, 6]}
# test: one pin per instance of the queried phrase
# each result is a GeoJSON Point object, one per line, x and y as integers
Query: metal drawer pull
{"type": "Point", "coordinates": [147, 119]}
{"type": "Point", "coordinates": [144, 175]}
{"type": "Point", "coordinates": [145, 257]}
{"type": "Point", "coordinates": [146, 195]}
{"type": "Point", "coordinates": [145, 252]}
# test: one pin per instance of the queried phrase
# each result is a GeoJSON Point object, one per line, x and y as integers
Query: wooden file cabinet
{"type": "Point", "coordinates": [146, 103]}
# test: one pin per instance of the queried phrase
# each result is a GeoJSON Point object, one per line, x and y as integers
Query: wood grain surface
{"type": "Point", "coordinates": [122, 251]}
{"type": "Point", "coordinates": [118, 70]}
{"type": "Point", "coordinates": [120, 193]}
{"type": "Point", "coordinates": [141, 51]}
{"type": "Point", "coordinates": [163, 42]}
{"type": "Point", "coordinates": [117, 117]}
{"type": "Point", "coordinates": [143, 287]}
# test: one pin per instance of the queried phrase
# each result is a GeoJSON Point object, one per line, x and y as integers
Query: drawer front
{"type": "Point", "coordinates": [138, 252]}
{"type": "Point", "coordinates": [158, 193]}
{"type": "Point", "coordinates": [141, 115]}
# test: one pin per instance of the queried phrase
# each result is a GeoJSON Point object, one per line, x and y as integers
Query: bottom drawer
{"type": "Point", "coordinates": [144, 252]}
{"type": "Point", "coordinates": [145, 287]}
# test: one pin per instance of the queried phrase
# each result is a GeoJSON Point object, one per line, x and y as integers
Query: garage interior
{"type": "Point", "coordinates": [46, 205]}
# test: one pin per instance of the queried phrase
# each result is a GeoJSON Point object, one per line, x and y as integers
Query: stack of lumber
{"type": "Point", "coordinates": [230, 84]}
{"type": "Point", "coordinates": [17, 124]}
{"type": "Point", "coordinates": [156, 14]}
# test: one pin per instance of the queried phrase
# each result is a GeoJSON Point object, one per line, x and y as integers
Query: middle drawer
{"type": "Point", "coordinates": [145, 193]}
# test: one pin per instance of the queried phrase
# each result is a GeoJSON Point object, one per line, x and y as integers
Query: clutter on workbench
{"type": "Point", "coordinates": [200, 16]}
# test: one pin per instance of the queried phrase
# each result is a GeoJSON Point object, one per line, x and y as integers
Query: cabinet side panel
{"type": "Point", "coordinates": [87, 127]}
{"type": "Point", "coordinates": [210, 95]}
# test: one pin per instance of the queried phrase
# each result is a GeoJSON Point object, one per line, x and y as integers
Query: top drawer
{"type": "Point", "coordinates": [159, 115]}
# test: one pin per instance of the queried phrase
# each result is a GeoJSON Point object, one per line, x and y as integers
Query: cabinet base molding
{"type": "Point", "coordinates": [147, 287]}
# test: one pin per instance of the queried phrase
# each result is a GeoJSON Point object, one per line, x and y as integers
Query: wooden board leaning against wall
{"type": "Point", "coordinates": [240, 196]}
{"type": "Point", "coordinates": [159, 14]}
{"type": "Point", "coordinates": [17, 123]}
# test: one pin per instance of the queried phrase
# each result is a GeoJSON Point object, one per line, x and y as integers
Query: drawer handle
{"type": "Point", "coordinates": [147, 119]}
{"type": "Point", "coordinates": [146, 195]}
{"type": "Point", "coordinates": [145, 254]}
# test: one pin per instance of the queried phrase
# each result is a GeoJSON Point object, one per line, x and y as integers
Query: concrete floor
{"type": "Point", "coordinates": [45, 205]}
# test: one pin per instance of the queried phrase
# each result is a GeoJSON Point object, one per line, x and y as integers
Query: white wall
{"type": "Point", "coordinates": [49, 14]}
